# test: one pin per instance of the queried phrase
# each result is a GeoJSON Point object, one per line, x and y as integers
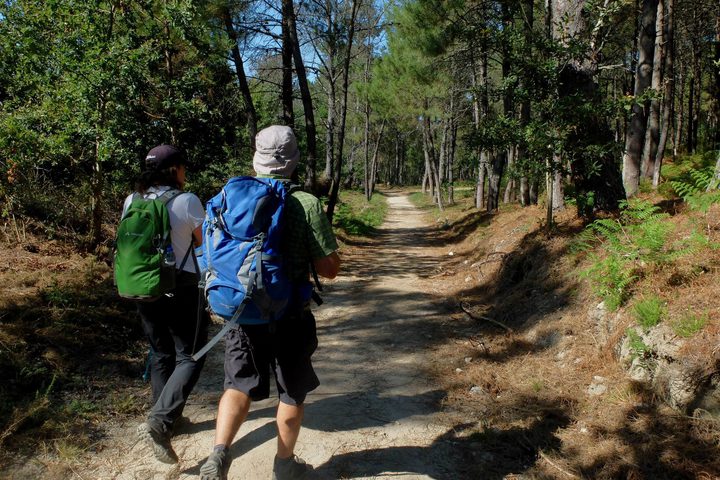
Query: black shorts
{"type": "Point", "coordinates": [253, 351]}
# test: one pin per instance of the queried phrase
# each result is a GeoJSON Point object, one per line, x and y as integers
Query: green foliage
{"type": "Point", "coordinates": [699, 190]}
{"type": "Point", "coordinates": [637, 237]}
{"type": "Point", "coordinates": [649, 311]}
{"type": "Point", "coordinates": [356, 216]}
{"type": "Point", "coordinates": [638, 348]}
{"type": "Point", "coordinates": [689, 324]}
{"type": "Point", "coordinates": [86, 91]}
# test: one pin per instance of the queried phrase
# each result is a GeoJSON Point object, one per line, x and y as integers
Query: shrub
{"type": "Point", "coordinates": [689, 324]}
{"type": "Point", "coordinates": [649, 311]}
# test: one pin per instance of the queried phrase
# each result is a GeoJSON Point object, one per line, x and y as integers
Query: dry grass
{"type": "Point", "coordinates": [525, 393]}
{"type": "Point", "coordinates": [59, 320]}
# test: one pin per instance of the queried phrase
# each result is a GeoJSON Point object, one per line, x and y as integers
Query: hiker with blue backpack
{"type": "Point", "coordinates": [156, 266]}
{"type": "Point", "coordinates": [263, 237]}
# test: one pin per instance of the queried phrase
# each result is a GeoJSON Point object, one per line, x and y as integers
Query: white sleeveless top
{"type": "Point", "coordinates": [186, 214]}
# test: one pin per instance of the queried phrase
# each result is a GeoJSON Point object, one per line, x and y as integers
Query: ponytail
{"type": "Point", "coordinates": [156, 178]}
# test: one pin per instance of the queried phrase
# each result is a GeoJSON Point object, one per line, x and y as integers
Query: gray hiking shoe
{"type": "Point", "coordinates": [293, 468]}
{"type": "Point", "coordinates": [159, 442]}
{"type": "Point", "coordinates": [216, 467]}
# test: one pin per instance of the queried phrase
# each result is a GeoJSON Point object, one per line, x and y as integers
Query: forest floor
{"type": "Point", "coordinates": [456, 349]}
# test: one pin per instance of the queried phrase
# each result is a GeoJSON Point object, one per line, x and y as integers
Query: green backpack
{"type": "Point", "coordinates": [144, 261]}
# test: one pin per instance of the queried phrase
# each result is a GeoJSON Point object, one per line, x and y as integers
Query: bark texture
{"type": "Point", "coordinates": [635, 137]}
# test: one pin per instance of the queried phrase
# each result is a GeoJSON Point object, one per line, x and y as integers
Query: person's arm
{"type": "Point", "coordinates": [329, 266]}
{"type": "Point", "coordinates": [197, 236]}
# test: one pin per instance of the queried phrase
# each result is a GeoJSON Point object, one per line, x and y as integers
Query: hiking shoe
{"type": "Point", "coordinates": [216, 467]}
{"type": "Point", "coordinates": [293, 468]}
{"type": "Point", "coordinates": [159, 442]}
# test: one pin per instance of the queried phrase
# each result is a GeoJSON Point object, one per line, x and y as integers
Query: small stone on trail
{"type": "Point", "coordinates": [476, 390]}
{"type": "Point", "coordinates": [458, 370]}
{"type": "Point", "coordinates": [597, 387]}
{"type": "Point", "coordinates": [468, 359]}
{"type": "Point", "coordinates": [467, 279]}
{"type": "Point", "coordinates": [451, 253]}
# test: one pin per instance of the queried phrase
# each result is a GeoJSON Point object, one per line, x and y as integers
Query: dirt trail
{"type": "Point", "coordinates": [375, 414]}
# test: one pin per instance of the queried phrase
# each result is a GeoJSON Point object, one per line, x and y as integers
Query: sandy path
{"type": "Point", "coordinates": [375, 414]}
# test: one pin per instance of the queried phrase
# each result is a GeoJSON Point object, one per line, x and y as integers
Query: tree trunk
{"type": "Point", "coordinates": [508, 154]}
{"type": "Point", "coordinates": [652, 132]}
{"type": "Point", "coordinates": [680, 120]}
{"type": "Point", "coordinates": [335, 187]}
{"type": "Point", "coordinates": [525, 107]}
{"type": "Point", "coordinates": [697, 76]}
{"type": "Point", "coordinates": [534, 188]}
{"type": "Point", "coordinates": [451, 163]}
{"type": "Point", "coordinates": [366, 148]}
{"type": "Point", "coordinates": [169, 74]}
{"type": "Point", "coordinates": [480, 184]}
{"type": "Point", "coordinates": [395, 175]}
{"type": "Point", "coordinates": [308, 111]}
{"type": "Point", "coordinates": [250, 113]}
{"type": "Point", "coordinates": [716, 85]}
{"type": "Point", "coordinates": [97, 180]}
{"type": "Point", "coordinates": [330, 132]}
{"type": "Point", "coordinates": [668, 90]}
{"type": "Point", "coordinates": [638, 121]}
{"type": "Point", "coordinates": [600, 178]}
{"type": "Point", "coordinates": [716, 178]}
{"type": "Point", "coordinates": [691, 117]}
{"type": "Point", "coordinates": [481, 107]}
{"type": "Point", "coordinates": [524, 191]}
{"type": "Point", "coordinates": [511, 187]}
{"type": "Point", "coordinates": [374, 162]}
{"type": "Point", "coordinates": [286, 96]}
{"type": "Point", "coordinates": [432, 158]}
{"type": "Point", "coordinates": [497, 164]}
{"type": "Point", "coordinates": [558, 195]}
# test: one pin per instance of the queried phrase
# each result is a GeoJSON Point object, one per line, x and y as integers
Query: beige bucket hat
{"type": "Point", "coordinates": [276, 151]}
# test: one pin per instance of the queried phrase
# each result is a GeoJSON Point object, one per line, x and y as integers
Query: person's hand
{"type": "Point", "coordinates": [328, 267]}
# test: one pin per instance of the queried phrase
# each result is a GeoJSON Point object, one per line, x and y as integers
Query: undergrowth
{"type": "Point", "coordinates": [66, 350]}
{"type": "Point", "coordinates": [356, 216]}
{"type": "Point", "coordinates": [649, 311]}
{"type": "Point", "coordinates": [628, 243]}
{"type": "Point", "coordinates": [689, 324]}
{"type": "Point", "coordinates": [622, 249]}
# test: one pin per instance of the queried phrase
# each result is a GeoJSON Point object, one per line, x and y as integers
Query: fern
{"type": "Point", "coordinates": [649, 311]}
{"type": "Point", "coordinates": [639, 236]}
{"type": "Point", "coordinates": [699, 191]}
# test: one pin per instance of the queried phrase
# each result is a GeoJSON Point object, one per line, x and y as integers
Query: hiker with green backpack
{"type": "Point", "coordinates": [156, 266]}
{"type": "Point", "coordinates": [263, 237]}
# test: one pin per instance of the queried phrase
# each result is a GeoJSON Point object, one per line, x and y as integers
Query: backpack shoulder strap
{"type": "Point", "coordinates": [291, 188]}
{"type": "Point", "coordinates": [168, 195]}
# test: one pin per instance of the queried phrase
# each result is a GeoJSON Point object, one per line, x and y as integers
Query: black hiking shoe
{"type": "Point", "coordinates": [293, 468]}
{"type": "Point", "coordinates": [216, 467]}
{"type": "Point", "coordinates": [159, 442]}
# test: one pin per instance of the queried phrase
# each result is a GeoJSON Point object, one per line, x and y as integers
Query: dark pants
{"type": "Point", "coordinates": [171, 326]}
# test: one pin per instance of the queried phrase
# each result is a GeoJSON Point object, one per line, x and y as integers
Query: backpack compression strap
{"type": "Point", "coordinates": [253, 279]}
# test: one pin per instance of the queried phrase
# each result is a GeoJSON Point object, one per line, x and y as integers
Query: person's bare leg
{"type": "Point", "coordinates": [289, 419]}
{"type": "Point", "coordinates": [232, 411]}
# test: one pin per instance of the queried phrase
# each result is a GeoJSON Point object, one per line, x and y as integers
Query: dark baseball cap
{"type": "Point", "coordinates": [164, 156]}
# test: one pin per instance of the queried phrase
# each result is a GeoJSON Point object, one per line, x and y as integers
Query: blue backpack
{"type": "Point", "coordinates": [244, 278]}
